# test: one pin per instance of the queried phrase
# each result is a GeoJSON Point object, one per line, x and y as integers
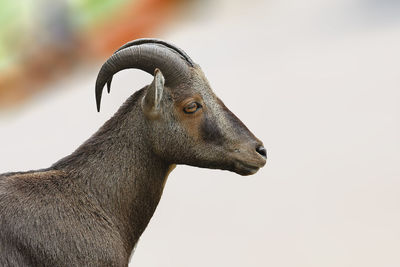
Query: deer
{"type": "Point", "coordinates": [90, 207]}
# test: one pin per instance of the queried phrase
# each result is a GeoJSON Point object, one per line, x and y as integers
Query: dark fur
{"type": "Point", "coordinates": [90, 208]}
{"type": "Point", "coordinates": [210, 132]}
{"type": "Point", "coordinates": [82, 211]}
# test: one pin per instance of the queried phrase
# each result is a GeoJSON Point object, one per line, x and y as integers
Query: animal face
{"type": "Point", "coordinates": [190, 125]}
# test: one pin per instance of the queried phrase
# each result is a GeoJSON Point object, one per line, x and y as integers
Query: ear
{"type": "Point", "coordinates": [151, 103]}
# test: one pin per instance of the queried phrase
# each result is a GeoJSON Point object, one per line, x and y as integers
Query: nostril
{"type": "Point", "coordinates": [262, 151]}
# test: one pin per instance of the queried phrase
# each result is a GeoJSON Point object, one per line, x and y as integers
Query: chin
{"type": "Point", "coordinates": [246, 172]}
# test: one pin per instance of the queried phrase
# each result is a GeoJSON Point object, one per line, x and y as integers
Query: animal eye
{"type": "Point", "coordinates": [191, 107]}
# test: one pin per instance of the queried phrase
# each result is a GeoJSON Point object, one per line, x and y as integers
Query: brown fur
{"type": "Point", "coordinates": [90, 208]}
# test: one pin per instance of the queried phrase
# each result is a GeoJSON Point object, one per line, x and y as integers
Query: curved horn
{"type": "Point", "coordinates": [147, 55]}
{"type": "Point", "coordinates": [161, 42]}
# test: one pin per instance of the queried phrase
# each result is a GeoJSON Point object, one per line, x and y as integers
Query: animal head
{"type": "Point", "coordinates": [186, 122]}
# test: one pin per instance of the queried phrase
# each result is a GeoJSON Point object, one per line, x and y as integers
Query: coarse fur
{"type": "Point", "coordinates": [90, 208]}
{"type": "Point", "coordinates": [83, 211]}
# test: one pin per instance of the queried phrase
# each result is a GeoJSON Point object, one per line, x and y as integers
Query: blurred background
{"type": "Point", "coordinates": [317, 81]}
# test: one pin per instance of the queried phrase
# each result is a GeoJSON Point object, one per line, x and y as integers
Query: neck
{"type": "Point", "coordinates": [118, 168]}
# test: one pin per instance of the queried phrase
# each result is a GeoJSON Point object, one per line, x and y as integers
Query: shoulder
{"type": "Point", "coordinates": [46, 211]}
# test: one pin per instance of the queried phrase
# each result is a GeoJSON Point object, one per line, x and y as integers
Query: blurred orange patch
{"type": "Point", "coordinates": [47, 63]}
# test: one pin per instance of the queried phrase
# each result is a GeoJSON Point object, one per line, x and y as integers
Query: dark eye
{"type": "Point", "coordinates": [191, 107]}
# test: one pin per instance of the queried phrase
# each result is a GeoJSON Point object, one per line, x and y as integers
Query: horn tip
{"type": "Point", "coordinates": [98, 99]}
{"type": "Point", "coordinates": [98, 106]}
{"type": "Point", "coordinates": [109, 85]}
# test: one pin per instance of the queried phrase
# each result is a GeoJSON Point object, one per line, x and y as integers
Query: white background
{"type": "Point", "coordinates": [317, 81]}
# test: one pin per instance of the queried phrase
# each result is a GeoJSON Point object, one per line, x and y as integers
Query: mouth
{"type": "Point", "coordinates": [246, 168]}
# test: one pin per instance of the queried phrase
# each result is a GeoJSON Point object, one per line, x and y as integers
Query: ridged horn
{"type": "Point", "coordinates": [146, 55]}
{"type": "Point", "coordinates": [161, 42]}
